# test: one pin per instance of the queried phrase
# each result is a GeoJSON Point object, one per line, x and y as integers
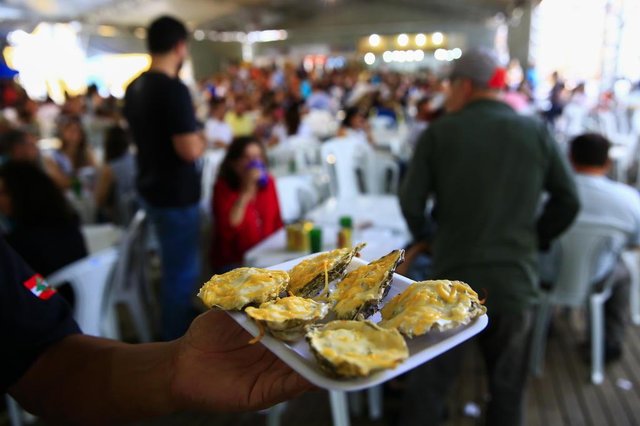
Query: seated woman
{"type": "Point", "coordinates": [43, 228]}
{"type": "Point", "coordinates": [356, 126]}
{"type": "Point", "coordinates": [74, 154]}
{"type": "Point", "coordinates": [115, 189]}
{"type": "Point", "coordinates": [245, 204]}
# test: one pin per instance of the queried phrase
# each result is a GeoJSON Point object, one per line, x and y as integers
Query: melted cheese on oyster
{"type": "Point", "coordinates": [363, 285]}
{"type": "Point", "coordinates": [240, 287]}
{"type": "Point", "coordinates": [357, 348]}
{"type": "Point", "coordinates": [288, 308]}
{"type": "Point", "coordinates": [423, 305]}
{"type": "Point", "coordinates": [305, 271]}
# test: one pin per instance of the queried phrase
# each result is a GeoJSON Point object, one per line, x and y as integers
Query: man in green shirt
{"type": "Point", "coordinates": [487, 169]}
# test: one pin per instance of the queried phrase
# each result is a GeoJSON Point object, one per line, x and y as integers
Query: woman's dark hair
{"type": "Point", "coordinates": [590, 149]}
{"type": "Point", "coordinates": [234, 152]}
{"type": "Point", "coordinates": [116, 143]}
{"type": "Point", "coordinates": [164, 34]}
{"type": "Point", "coordinates": [35, 198]}
{"type": "Point", "coordinates": [292, 118]}
{"type": "Point", "coordinates": [81, 157]}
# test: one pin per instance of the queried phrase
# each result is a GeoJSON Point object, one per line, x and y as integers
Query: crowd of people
{"type": "Point", "coordinates": [475, 149]}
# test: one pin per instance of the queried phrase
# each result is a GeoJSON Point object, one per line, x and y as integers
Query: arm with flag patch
{"type": "Point", "coordinates": [89, 380]}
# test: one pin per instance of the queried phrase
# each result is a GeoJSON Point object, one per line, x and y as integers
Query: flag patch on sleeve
{"type": "Point", "coordinates": [39, 287]}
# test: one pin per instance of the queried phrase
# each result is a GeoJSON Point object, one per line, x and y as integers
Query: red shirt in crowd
{"type": "Point", "coordinates": [261, 219]}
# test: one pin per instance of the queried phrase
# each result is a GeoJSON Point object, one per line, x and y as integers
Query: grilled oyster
{"type": "Point", "coordinates": [427, 305]}
{"type": "Point", "coordinates": [286, 318]}
{"type": "Point", "coordinates": [359, 294]}
{"type": "Point", "coordinates": [356, 348]}
{"type": "Point", "coordinates": [243, 286]}
{"type": "Point", "coordinates": [307, 278]}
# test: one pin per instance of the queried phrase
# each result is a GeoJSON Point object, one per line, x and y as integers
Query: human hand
{"type": "Point", "coordinates": [215, 368]}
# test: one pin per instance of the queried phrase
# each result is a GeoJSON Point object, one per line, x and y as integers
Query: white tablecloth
{"type": "Point", "coordinates": [380, 211]}
{"type": "Point", "coordinates": [273, 250]}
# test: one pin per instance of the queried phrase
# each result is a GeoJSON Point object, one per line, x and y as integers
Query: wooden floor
{"type": "Point", "coordinates": [562, 396]}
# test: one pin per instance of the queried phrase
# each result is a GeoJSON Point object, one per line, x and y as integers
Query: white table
{"type": "Point", "coordinates": [273, 250]}
{"type": "Point", "coordinates": [380, 211]}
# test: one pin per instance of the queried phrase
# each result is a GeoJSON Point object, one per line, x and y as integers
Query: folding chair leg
{"type": "Point", "coordinates": [339, 408]}
{"type": "Point", "coordinates": [632, 263]}
{"type": "Point", "coordinates": [597, 340]}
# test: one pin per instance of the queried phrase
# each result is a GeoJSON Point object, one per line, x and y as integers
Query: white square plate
{"type": "Point", "coordinates": [421, 349]}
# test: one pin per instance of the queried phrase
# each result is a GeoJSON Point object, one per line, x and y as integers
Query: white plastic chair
{"type": "Point", "coordinates": [632, 263]}
{"type": "Point", "coordinates": [296, 196]}
{"type": "Point", "coordinates": [130, 286]}
{"type": "Point", "coordinates": [383, 173]}
{"type": "Point", "coordinates": [340, 159]}
{"type": "Point", "coordinates": [306, 151]}
{"type": "Point", "coordinates": [89, 278]}
{"type": "Point", "coordinates": [579, 250]}
{"type": "Point", "coordinates": [280, 155]}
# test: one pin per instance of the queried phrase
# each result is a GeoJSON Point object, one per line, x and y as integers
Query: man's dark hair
{"type": "Point", "coordinates": [590, 149]}
{"type": "Point", "coordinates": [164, 34]}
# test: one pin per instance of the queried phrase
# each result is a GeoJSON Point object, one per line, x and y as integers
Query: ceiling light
{"type": "Point", "coordinates": [403, 40]}
{"type": "Point", "coordinates": [421, 40]}
{"type": "Point", "coordinates": [437, 38]}
{"type": "Point", "coordinates": [369, 58]}
{"type": "Point", "coordinates": [440, 54]}
{"type": "Point", "coordinates": [374, 40]}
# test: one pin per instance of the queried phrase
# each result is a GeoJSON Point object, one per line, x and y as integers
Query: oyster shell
{"type": "Point", "coordinates": [356, 348]}
{"type": "Point", "coordinates": [243, 286]}
{"type": "Point", "coordinates": [428, 305]}
{"type": "Point", "coordinates": [287, 318]}
{"type": "Point", "coordinates": [359, 294]}
{"type": "Point", "coordinates": [307, 278]}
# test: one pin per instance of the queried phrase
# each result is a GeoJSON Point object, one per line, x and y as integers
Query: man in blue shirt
{"type": "Point", "coordinates": [604, 201]}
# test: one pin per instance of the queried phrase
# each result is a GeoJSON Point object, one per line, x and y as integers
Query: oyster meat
{"type": "Point", "coordinates": [427, 305]}
{"type": "Point", "coordinates": [359, 294]}
{"type": "Point", "coordinates": [287, 318]}
{"type": "Point", "coordinates": [356, 348]}
{"type": "Point", "coordinates": [307, 278]}
{"type": "Point", "coordinates": [243, 286]}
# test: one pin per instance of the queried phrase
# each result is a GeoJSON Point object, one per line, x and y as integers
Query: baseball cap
{"type": "Point", "coordinates": [482, 67]}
